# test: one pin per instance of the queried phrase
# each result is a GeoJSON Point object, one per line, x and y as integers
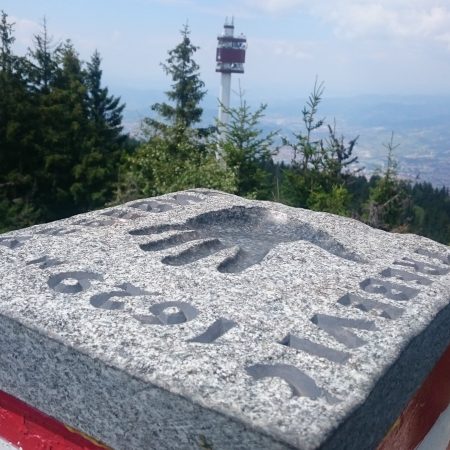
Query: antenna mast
{"type": "Point", "coordinates": [230, 58]}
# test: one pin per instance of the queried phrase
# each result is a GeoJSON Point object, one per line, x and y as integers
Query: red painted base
{"type": "Point", "coordinates": [29, 429]}
{"type": "Point", "coordinates": [429, 402]}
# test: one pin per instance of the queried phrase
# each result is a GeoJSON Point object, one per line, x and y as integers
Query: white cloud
{"type": "Point", "coordinates": [445, 38]}
{"type": "Point", "coordinates": [24, 30]}
{"type": "Point", "coordinates": [436, 20]}
{"type": "Point", "coordinates": [357, 20]}
{"type": "Point", "coordinates": [282, 48]}
{"type": "Point", "coordinates": [275, 6]}
{"type": "Point", "coordinates": [418, 19]}
{"type": "Point", "coordinates": [400, 19]}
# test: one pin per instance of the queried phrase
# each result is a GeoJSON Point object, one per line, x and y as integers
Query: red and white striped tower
{"type": "Point", "coordinates": [230, 58]}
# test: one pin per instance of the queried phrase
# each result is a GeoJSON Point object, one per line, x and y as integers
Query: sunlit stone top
{"type": "Point", "coordinates": [203, 319]}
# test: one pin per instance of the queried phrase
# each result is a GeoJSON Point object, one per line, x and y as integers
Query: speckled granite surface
{"type": "Point", "coordinates": [203, 320]}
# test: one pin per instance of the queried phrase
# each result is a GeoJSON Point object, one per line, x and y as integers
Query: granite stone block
{"type": "Point", "coordinates": [203, 320]}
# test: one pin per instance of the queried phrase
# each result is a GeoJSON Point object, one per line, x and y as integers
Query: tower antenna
{"type": "Point", "coordinates": [230, 58]}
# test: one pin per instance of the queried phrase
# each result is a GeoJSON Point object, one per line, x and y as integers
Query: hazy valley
{"type": "Point", "coordinates": [421, 126]}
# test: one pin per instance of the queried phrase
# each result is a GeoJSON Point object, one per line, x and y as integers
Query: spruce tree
{"type": "Point", "coordinates": [7, 40]}
{"type": "Point", "coordinates": [176, 155]}
{"type": "Point", "coordinates": [64, 130]}
{"type": "Point", "coordinates": [60, 132]}
{"type": "Point", "coordinates": [97, 170]}
{"type": "Point", "coordinates": [105, 111]}
{"type": "Point", "coordinates": [187, 91]}
{"type": "Point", "coordinates": [317, 177]}
{"type": "Point", "coordinates": [303, 176]}
{"type": "Point", "coordinates": [9, 82]}
{"type": "Point", "coordinates": [44, 67]}
{"type": "Point", "coordinates": [246, 150]}
{"type": "Point", "coordinates": [17, 156]}
{"type": "Point", "coordinates": [388, 206]}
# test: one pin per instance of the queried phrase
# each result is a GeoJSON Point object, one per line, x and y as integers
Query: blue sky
{"type": "Point", "coordinates": [355, 46]}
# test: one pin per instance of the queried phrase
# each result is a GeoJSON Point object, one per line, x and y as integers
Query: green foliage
{"type": "Point", "coordinates": [16, 214]}
{"type": "Point", "coordinates": [17, 155]}
{"type": "Point", "coordinates": [388, 201]}
{"type": "Point", "coordinates": [60, 132]}
{"type": "Point", "coordinates": [171, 163]}
{"type": "Point", "coordinates": [431, 211]}
{"type": "Point", "coordinates": [97, 171]}
{"type": "Point", "coordinates": [176, 155]}
{"type": "Point", "coordinates": [246, 150]}
{"type": "Point", "coordinates": [187, 88]}
{"type": "Point", "coordinates": [43, 62]}
{"type": "Point", "coordinates": [338, 156]}
{"type": "Point", "coordinates": [64, 127]}
{"type": "Point", "coordinates": [335, 202]}
{"type": "Point", "coordinates": [307, 152]}
{"type": "Point", "coordinates": [317, 175]}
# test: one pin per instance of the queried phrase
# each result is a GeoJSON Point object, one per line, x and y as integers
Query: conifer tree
{"type": "Point", "coordinates": [43, 54]}
{"type": "Point", "coordinates": [176, 155]}
{"type": "Point", "coordinates": [186, 92]}
{"type": "Point", "coordinates": [8, 83]}
{"type": "Point", "coordinates": [302, 177]}
{"type": "Point", "coordinates": [17, 156]}
{"type": "Point", "coordinates": [246, 150]}
{"type": "Point", "coordinates": [316, 177]}
{"type": "Point", "coordinates": [97, 169]}
{"type": "Point", "coordinates": [64, 134]}
{"type": "Point", "coordinates": [7, 39]}
{"type": "Point", "coordinates": [388, 202]}
{"type": "Point", "coordinates": [105, 111]}
{"type": "Point", "coordinates": [60, 132]}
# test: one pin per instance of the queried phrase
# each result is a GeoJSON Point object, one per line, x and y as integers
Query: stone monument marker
{"type": "Point", "coordinates": [203, 320]}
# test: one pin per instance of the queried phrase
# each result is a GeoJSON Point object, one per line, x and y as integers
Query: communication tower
{"type": "Point", "coordinates": [230, 58]}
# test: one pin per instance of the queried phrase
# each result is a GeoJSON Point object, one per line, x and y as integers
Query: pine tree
{"type": "Point", "coordinates": [105, 111]}
{"type": "Point", "coordinates": [388, 203]}
{"type": "Point", "coordinates": [44, 67]}
{"type": "Point", "coordinates": [64, 131]}
{"type": "Point", "coordinates": [9, 82]}
{"type": "Point", "coordinates": [97, 170]}
{"type": "Point", "coordinates": [7, 40]}
{"type": "Point", "coordinates": [17, 156]}
{"type": "Point", "coordinates": [176, 155]}
{"type": "Point", "coordinates": [303, 176]}
{"type": "Point", "coordinates": [246, 150]}
{"type": "Point", "coordinates": [317, 175]}
{"type": "Point", "coordinates": [60, 132]}
{"type": "Point", "coordinates": [187, 88]}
